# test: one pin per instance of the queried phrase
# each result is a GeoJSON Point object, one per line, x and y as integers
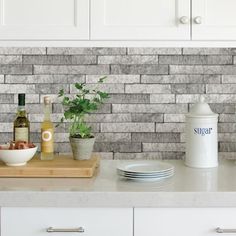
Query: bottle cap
{"type": "Point", "coordinates": [47, 100]}
{"type": "Point", "coordinates": [21, 99]}
{"type": "Point", "coordinates": [201, 110]}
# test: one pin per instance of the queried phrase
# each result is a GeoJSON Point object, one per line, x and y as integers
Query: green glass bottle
{"type": "Point", "coordinates": [21, 131]}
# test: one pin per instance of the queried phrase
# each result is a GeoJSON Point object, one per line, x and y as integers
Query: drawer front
{"type": "Point", "coordinates": [94, 221]}
{"type": "Point", "coordinates": [183, 221]}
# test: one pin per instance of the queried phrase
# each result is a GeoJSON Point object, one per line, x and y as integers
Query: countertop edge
{"type": "Point", "coordinates": [117, 199]}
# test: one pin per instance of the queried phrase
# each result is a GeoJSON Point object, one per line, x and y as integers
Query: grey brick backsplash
{"type": "Point", "coordinates": [16, 69]}
{"type": "Point", "coordinates": [209, 70]}
{"type": "Point", "coordinates": [156, 51]}
{"type": "Point", "coordinates": [147, 117]}
{"type": "Point", "coordinates": [109, 88]}
{"type": "Point", "coordinates": [15, 88]}
{"type": "Point", "coordinates": [7, 117]}
{"type": "Point", "coordinates": [180, 79]}
{"type": "Point", "coordinates": [113, 137]}
{"type": "Point", "coordinates": [227, 137]}
{"type": "Point", "coordinates": [6, 127]}
{"type": "Point", "coordinates": [224, 118]}
{"type": "Point", "coordinates": [156, 137]}
{"type": "Point", "coordinates": [118, 147]}
{"type": "Point", "coordinates": [155, 147]}
{"type": "Point", "coordinates": [110, 118]}
{"type": "Point", "coordinates": [29, 98]}
{"type": "Point", "coordinates": [44, 79]}
{"type": "Point", "coordinates": [162, 98]}
{"type": "Point", "coordinates": [229, 79]}
{"type": "Point", "coordinates": [150, 89]}
{"type": "Point", "coordinates": [227, 127]}
{"type": "Point", "coordinates": [227, 147]}
{"type": "Point", "coordinates": [147, 88]}
{"type": "Point", "coordinates": [22, 50]}
{"type": "Point", "coordinates": [105, 108]}
{"type": "Point", "coordinates": [210, 51]}
{"type": "Point", "coordinates": [187, 88]}
{"type": "Point", "coordinates": [149, 155]}
{"type": "Point", "coordinates": [6, 98]}
{"type": "Point", "coordinates": [74, 69]}
{"type": "Point", "coordinates": [128, 60]}
{"type": "Point", "coordinates": [139, 69]}
{"type": "Point", "coordinates": [195, 60]}
{"type": "Point", "coordinates": [114, 79]}
{"type": "Point", "coordinates": [129, 98]}
{"type": "Point", "coordinates": [59, 59]}
{"type": "Point", "coordinates": [149, 108]}
{"type": "Point", "coordinates": [170, 127]}
{"type": "Point", "coordinates": [51, 88]}
{"type": "Point", "coordinates": [171, 118]}
{"type": "Point", "coordinates": [87, 51]}
{"type": "Point", "coordinates": [5, 137]}
{"type": "Point", "coordinates": [1, 79]}
{"type": "Point", "coordinates": [127, 127]}
{"type": "Point", "coordinates": [5, 59]}
{"type": "Point", "coordinates": [221, 88]}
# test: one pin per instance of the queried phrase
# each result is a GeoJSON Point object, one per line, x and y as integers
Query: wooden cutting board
{"type": "Point", "coordinates": [60, 166]}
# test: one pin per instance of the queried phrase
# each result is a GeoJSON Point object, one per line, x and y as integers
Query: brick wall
{"type": "Point", "coordinates": [150, 91]}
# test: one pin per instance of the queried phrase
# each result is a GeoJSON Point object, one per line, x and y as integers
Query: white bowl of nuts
{"type": "Point", "coordinates": [17, 154]}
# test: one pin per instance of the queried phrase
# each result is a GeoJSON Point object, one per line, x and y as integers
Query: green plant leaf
{"type": "Point", "coordinates": [77, 107]}
{"type": "Point", "coordinates": [61, 93]}
{"type": "Point", "coordinates": [101, 80]}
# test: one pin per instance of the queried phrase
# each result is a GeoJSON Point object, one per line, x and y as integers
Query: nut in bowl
{"type": "Point", "coordinates": [17, 154]}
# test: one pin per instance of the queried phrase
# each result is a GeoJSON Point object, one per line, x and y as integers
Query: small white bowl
{"type": "Point", "coordinates": [17, 157]}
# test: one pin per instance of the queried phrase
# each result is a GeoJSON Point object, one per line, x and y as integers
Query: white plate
{"type": "Point", "coordinates": [137, 173]}
{"type": "Point", "coordinates": [145, 179]}
{"type": "Point", "coordinates": [153, 176]}
{"type": "Point", "coordinates": [145, 175]}
{"type": "Point", "coordinates": [145, 167]}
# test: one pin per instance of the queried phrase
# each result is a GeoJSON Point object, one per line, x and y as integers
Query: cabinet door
{"type": "Point", "coordinates": [183, 221]}
{"type": "Point", "coordinates": [94, 221]}
{"type": "Point", "coordinates": [140, 19]}
{"type": "Point", "coordinates": [44, 19]}
{"type": "Point", "coordinates": [214, 20]}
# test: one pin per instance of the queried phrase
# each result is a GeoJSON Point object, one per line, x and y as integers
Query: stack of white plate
{"type": "Point", "coordinates": [145, 170]}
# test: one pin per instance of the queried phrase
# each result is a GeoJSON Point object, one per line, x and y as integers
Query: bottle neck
{"type": "Point", "coordinates": [47, 112]}
{"type": "Point", "coordinates": [21, 111]}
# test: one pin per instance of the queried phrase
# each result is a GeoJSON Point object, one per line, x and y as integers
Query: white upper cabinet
{"type": "Point", "coordinates": [140, 19]}
{"type": "Point", "coordinates": [214, 20]}
{"type": "Point", "coordinates": [44, 19]}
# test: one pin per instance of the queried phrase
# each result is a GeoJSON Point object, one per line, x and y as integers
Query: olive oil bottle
{"type": "Point", "coordinates": [47, 132]}
{"type": "Point", "coordinates": [21, 130]}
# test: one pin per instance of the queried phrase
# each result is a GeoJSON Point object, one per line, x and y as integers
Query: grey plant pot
{"type": "Point", "coordinates": [82, 148]}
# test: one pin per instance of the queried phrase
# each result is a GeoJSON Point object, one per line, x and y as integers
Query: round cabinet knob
{"type": "Point", "coordinates": [198, 20]}
{"type": "Point", "coordinates": [184, 20]}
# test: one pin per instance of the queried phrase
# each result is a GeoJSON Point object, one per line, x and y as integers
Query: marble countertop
{"type": "Point", "coordinates": [189, 187]}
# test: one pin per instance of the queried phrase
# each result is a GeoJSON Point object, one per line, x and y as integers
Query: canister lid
{"type": "Point", "coordinates": [201, 110]}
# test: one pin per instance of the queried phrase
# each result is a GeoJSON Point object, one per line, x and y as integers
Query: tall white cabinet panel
{"type": "Point", "coordinates": [183, 221]}
{"type": "Point", "coordinates": [44, 19]}
{"type": "Point", "coordinates": [140, 19]}
{"type": "Point", "coordinates": [214, 19]}
{"type": "Point", "coordinates": [46, 221]}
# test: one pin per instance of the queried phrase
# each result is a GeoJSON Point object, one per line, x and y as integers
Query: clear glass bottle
{"type": "Point", "coordinates": [47, 132]}
{"type": "Point", "coordinates": [21, 130]}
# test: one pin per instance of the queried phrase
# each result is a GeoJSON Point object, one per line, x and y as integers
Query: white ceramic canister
{"type": "Point", "coordinates": [201, 136]}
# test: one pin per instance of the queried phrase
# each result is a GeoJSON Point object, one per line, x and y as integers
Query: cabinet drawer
{"type": "Point", "coordinates": [94, 221]}
{"type": "Point", "coordinates": [183, 221]}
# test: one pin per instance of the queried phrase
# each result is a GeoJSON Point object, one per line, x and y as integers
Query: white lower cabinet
{"type": "Point", "coordinates": [184, 221]}
{"type": "Point", "coordinates": [94, 221]}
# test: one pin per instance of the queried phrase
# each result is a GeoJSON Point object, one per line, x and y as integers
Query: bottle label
{"type": "Point", "coordinates": [22, 134]}
{"type": "Point", "coordinates": [47, 140]}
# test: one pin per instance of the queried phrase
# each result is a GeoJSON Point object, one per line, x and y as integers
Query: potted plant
{"type": "Point", "coordinates": [76, 109]}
